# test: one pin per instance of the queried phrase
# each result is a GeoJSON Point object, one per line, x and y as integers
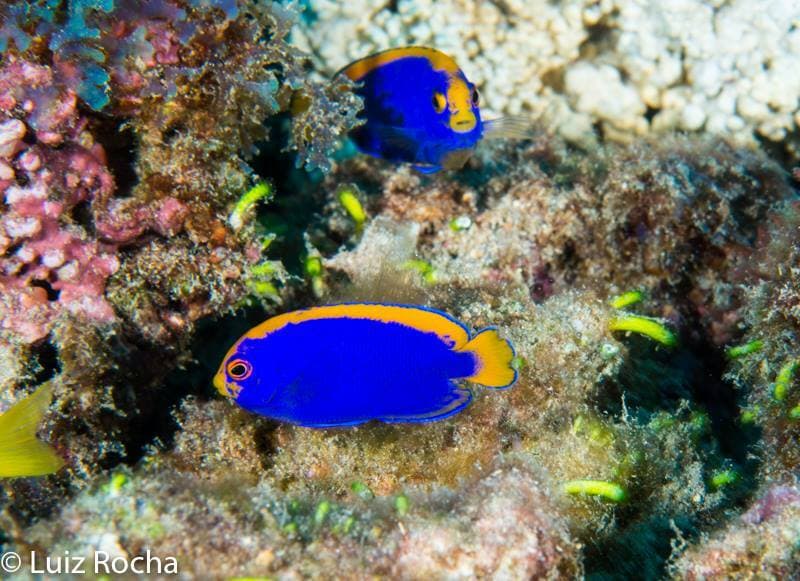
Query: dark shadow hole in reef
{"type": "Point", "coordinates": [171, 132]}
{"type": "Point", "coordinates": [81, 214]}
{"type": "Point", "coordinates": [653, 380]}
{"type": "Point", "coordinates": [30, 138]}
{"type": "Point", "coordinates": [298, 203]}
{"type": "Point", "coordinates": [4, 538]}
{"type": "Point", "coordinates": [650, 113]}
{"type": "Point", "coordinates": [635, 554]}
{"type": "Point", "coordinates": [601, 38]}
{"type": "Point", "coordinates": [22, 179]}
{"type": "Point", "coordinates": [119, 143]}
{"type": "Point", "coordinates": [778, 151]}
{"type": "Point", "coordinates": [157, 425]}
{"type": "Point", "coordinates": [52, 294]}
{"type": "Point", "coordinates": [555, 79]}
{"type": "Point", "coordinates": [47, 363]}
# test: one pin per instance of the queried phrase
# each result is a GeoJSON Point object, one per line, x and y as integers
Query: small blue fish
{"type": "Point", "coordinates": [342, 365]}
{"type": "Point", "coordinates": [419, 108]}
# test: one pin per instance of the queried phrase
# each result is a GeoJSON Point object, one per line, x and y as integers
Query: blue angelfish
{"type": "Point", "coordinates": [342, 365]}
{"type": "Point", "coordinates": [419, 108]}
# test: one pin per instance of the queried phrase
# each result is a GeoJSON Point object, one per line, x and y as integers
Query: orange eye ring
{"type": "Point", "coordinates": [476, 97]}
{"type": "Point", "coordinates": [439, 102]}
{"type": "Point", "coordinates": [239, 369]}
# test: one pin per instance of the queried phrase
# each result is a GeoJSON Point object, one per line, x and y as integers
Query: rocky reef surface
{"type": "Point", "coordinates": [171, 178]}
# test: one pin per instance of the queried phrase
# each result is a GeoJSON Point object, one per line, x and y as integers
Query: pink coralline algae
{"type": "Point", "coordinates": [61, 225]}
{"type": "Point", "coordinates": [773, 503]}
{"type": "Point", "coordinates": [760, 545]}
{"type": "Point", "coordinates": [49, 167]}
{"type": "Point", "coordinates": [125, 220]}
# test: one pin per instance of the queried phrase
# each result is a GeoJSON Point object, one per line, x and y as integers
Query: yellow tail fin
{"type": "Point", "coordinates": [494, 357]}
{"type": "Point", "coordinates": [21, 454]}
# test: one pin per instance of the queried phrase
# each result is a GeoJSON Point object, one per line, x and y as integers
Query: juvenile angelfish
{"type": "Point", "coordinates": [419, 108]}
{"type": "Point", "coordinates": [342, 365]}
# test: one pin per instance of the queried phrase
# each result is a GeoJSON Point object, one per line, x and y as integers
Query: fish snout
{"type": "Point", "coordinates": [463, 121]}
{"type": "Point", "coordinates": [219, 383]}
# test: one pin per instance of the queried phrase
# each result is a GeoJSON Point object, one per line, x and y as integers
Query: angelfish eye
{"type": "Point", "coordinates": [239, 369]}
{"type": "Point", "coordinates": [439, 102]}
{"type": "Point", "coordinates": [476, 98]}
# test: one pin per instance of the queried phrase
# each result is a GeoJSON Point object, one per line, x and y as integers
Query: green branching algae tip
{"type": "Point", "coordinates": [609, 491]}
{"type": "Point", "coordinates": [743, 350]}
{"type": "Point", "coordinates": [627, 299]}
{"type": "Point", "coordinates": [646, 326]}
{"type": "Point", "coordinates": [348, 197]}
{"type": "Point", "coordinates": [784, 380]}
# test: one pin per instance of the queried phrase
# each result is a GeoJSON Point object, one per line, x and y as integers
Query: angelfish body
{"type": "Point", "coordinates": [341, 365]}
{"type": "Point", "coordinates": [419, 108]}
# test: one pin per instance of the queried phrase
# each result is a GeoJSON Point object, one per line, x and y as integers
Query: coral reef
{"type": "Point", "coordinates": [524, 445]}
{"type": "Point", "coordinates": [241, 524]}
{"type": "Point", "coordinates": [158, 168]}
{"type": "Point", "coordinates": [683, 220]}
{"type": "Point", "coordinates": [115, 237]}
{"type": "Point", "coordinates": [717, 67]}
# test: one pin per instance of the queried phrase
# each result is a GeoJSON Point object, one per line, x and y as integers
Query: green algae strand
{"type": "Point", "coordinates": [610, 491]}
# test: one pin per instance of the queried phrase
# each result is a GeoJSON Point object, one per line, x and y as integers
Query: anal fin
{"type": "Point", "coordinates": [454, 400]}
